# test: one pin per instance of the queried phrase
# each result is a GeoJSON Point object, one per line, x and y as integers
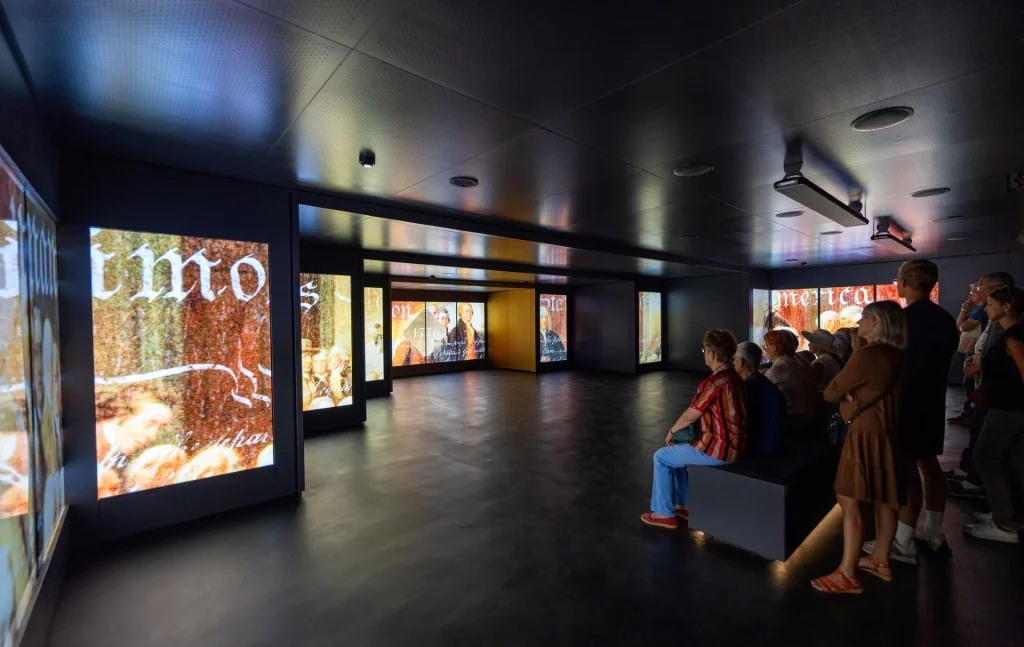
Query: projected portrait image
{"type": "Point", "coordinates": [437, 332]}
{"type": "Point", "coordinates": [795, 311]}
{"type": "Point", "coordinates": [842, 307]}
{"type": "Point", "coordinates": [650, 327]}
{"type": "Point", "coordinates": [181, 330]}
{"type": "Point", "coordinates": [325, 301]}
{"type": "Point", "coordinates": [373, 329]}
{"type": "Point", "coordinates": [552, 316]}
{"type": "Point", "coordinates": [440, 329]}
{"type": "Point", "coordinates": [760, 314]}
{"type": "Point", "coordinates": [408, 333]}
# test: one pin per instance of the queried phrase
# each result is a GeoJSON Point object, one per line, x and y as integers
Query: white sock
{"type": "Point", "coordinates": [932, 523]}
{"type": "Point", "coordinates": [904, 534]}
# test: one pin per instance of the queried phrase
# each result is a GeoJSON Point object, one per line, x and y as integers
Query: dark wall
{"type": "Point", "coordinates": [955, 277]}
{"type": "Point", "coordinates": [104, 192]}
{"type": "Point", "coordinates": [23, 133]}
{"type": "Point", "coordinates": [700, 304]}
{"type": "Point", "coordinates": [604, 327]}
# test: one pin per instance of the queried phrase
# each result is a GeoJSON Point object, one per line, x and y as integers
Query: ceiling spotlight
{"type": "Point", "coordinates": [830, 233]}
{"type": "Point", "coordinates": [881, 119]}
{"type": "Point", "coordinates": [693, 170]}
{"type": "Point", "coordinates": [464, 181]}
{"type": "Point", "coordinates": [890, 235]}
{"type": "Point", "coordinates": [367, 158]}
{"type": "Point", "coordinates": [816, 199]}
{"type": "Point", "coordinates": [927, 193]}
{"type": "Point", "coordinates": [948, 218]}
{"type": "Point", "coordinates": [789, 214]}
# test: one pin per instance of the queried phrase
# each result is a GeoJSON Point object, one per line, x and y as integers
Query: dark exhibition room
{"type": "Point", "coordinates": [496, 322]}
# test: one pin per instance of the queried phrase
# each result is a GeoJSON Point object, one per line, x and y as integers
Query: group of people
{"type": "Point", "coordinates": [887, 381]}
{"type": "Point", "coordinates": [326, 377]}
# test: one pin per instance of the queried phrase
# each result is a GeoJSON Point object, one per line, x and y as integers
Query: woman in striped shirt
{"type": "Point", "coordinates": [719, 415]}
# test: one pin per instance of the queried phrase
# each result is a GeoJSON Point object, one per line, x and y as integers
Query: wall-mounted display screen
{"type": "Point", "coordinates": [552, 315]}
{"type": "Point", "coordinates": [795, 310]}
{"type": "Point", "coordinates": [650, 327]}
{"type": "Point", "coordinates": [326, 323]}
{"type": "Point", "coordinates": [437, 332]}
{"type": "Point", "coordinates": [890, 292]}
{"type": "Point", "coordinates": [760, 311]}
{"type": "Point", "coordinates": [373, 329]}
{"type": "Point", "coordinates": [842, 307]}
{"type": "Point", "coordinates": [181, 346]}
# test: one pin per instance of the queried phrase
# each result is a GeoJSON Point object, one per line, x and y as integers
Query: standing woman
{"type": "Point", "coordinates": [999, 454]}
{"type": "Point", "coordinates": [871, 467]}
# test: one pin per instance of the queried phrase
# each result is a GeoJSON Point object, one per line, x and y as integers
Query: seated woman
{"type": "Point", "coordinates": [871, 466]}
{"type": "Point", "coordinates": [794, 378]}
{"type": "Point", "coordinates": [719, 411]}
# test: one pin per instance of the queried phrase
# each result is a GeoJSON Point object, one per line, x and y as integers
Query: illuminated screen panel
{"type": "Point", "coordinates": [650, 327]}
{"type": "Point", "coordinates": [326, 325]}
{"type": "Point", "coordinates": [842, 307]}
{"type": "Point", "coordinates": [373, 329]}
{"type": "Point", "coordinates": [795, 310]}
{"type": "Point", "coordinates": [181, 330]}
{"type": "Point", "coordinates": [437, 332]}
{"type": "Point", "coordinates": [17, 516]}
{"type": "Point", "coordinates": [889, 292]}
{"type": "Point", "coordinates": [554, 334]}
{"type": "Point", "coordinates": [760, 311]}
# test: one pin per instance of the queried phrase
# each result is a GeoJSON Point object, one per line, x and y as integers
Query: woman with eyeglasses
{"type": "Point", "coordinates": [999, 454]}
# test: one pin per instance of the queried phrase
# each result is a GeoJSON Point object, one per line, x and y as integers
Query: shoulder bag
{"type": "Point", "coordinates": [836, 427]}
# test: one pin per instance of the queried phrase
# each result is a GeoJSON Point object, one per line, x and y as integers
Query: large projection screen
{"type": "Point", "coordinates": [181, 345]}
{"type": "Point", "coordinates": [326, 326]}
{"type": "Point", "coordinates": [650, 327]}
{"type": "Point", "coordinates": [553, 339]}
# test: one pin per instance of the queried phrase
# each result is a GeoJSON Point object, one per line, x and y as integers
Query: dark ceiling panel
{"type": "Point", "coordinates": [447, 287]}
{"type": "Point", "coordinates": [416, 128]}
{"type": "Point", "coordinates": [343, 21]}
{"type": "Point", "coordinates": [536, 58]}
{"type": "Point", "coordinates": [207, 72]}
{"type": "Point", "coordinates": [811, 61]}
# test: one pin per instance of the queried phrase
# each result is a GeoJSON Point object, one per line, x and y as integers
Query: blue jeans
{"type": "Point", "coordinates": [671, 480]}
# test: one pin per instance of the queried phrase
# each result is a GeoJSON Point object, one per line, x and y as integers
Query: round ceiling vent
{"type": "Point", "coordinates": [464, 181]}
{"type": "Point", "coordinates": [693, 170]}
{"type": "Point", "coordinates": [881, 119]}
{"type": "Point", "coordinates": [789, 214]}
{"type": "Point", "coordinates": [927, 193]}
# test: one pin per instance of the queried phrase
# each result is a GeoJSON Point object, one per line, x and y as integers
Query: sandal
{"type": "Point", "coordinates": [837, 582]}
{"type": "Point", "coordinates": [868, 564]}
{"type": "Point", "coordinates": [669, 523]}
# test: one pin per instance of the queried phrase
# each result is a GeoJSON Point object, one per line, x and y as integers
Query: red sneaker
{"type": "Point", "coordinates": [671, 523]}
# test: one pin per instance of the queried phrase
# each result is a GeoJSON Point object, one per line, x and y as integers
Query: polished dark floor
{"type": "Point", "coordinates": [499, 508]}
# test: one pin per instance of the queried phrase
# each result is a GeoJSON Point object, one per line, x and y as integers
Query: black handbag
{"type": "Point", "coordinates": [836, 428]}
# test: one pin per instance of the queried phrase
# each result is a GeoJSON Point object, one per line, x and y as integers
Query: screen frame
{"type": "Point", "coordinates": [549, 367]}
{"type": "Point", "coordinates": [337, 262]}
{"type": "Point", "coordinates": [428, 296]}
{"type": "Point", "coordinates": [114, 194]}
{"type": "Point", "coordinates": [662, 364]}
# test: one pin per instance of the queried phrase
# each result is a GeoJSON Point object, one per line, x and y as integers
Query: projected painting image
{"type": "Point", "coordinates": [552, 315]}
{"type": "Point", "coordinates": [325, 301]}
{"type": "Point", "coordinates": [842, 307]}
{"type": "Point", "coordinates": [17, 521]}
{"type": "Point", "coordinates": [373, 329]}
{"type": "Point", "coordinates": [181, 334]}
{"type": "Point", "coordinates": [650, 327]}
{"type": "Point", "coordinates": [760, 311]}
{"type": "Point", "coordinates": [796, 311]}
{"type": "Point", "coordinates": [890, 292]}
{"type": "Point", "coordinates": [437, 332]}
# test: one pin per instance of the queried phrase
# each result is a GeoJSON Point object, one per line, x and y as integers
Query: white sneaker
{"type": "Point", "coordinates": [983, 516]}
{"type": "Point", "coordinates": [990, 531]}
{"type": "Point", "coordinates": [937, 543]}
{"type": "Point", "coordinates": [900, 553]}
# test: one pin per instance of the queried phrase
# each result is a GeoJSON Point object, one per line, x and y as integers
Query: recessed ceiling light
{"type": "Point", "coordinates": [789, 214]}
{"type": "Point", "coordinates": [927, 193]}
{"type": "Point", "coordinates": [464, 181]}
{"type": "Point", "coordinates": [957, 238]}
{"type": "Point", "coordinates": [830, 233]}
{"type": "Point", "coordinates": [693, 170]}
{"type": "Point", "coordinates": [791, 260]}
{"type": "Point", "coordinates": [881, 119]}
{"type": "Point", "coordinates": [948, 218]}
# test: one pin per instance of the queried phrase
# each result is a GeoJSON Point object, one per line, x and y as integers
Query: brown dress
{"type": "Point", "coordinates": [871, 467]}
